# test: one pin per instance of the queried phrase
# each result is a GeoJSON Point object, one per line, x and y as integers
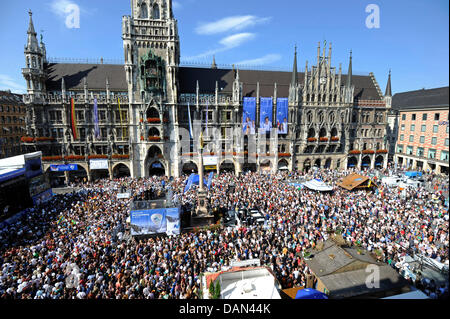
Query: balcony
{"type": "Point", "coordinates": [31, 140]}
{"type": "Point", "coordinates": [120, 157]}
{"type": "Point", "coordinates": [153, 120]}
{"type": "Point", "coordinates": [284, 154]}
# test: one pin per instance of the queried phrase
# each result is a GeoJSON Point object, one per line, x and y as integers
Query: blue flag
{"type": "Point", "coordinates": [190, 122]}
{"type": "Point", "coordinates": [189, 183]}
{"type": "Point", "coordinates": [96, 129]}
{"type": "Point", "coordinates": [210, 177]}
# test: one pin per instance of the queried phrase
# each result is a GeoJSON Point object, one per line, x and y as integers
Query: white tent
{"type": "Point", "coordinates": [317, 185]}
{"type": "Point", "coordinates": [416, 294]}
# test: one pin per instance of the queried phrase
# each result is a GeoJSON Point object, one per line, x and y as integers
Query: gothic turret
{"type": "Point", "coordinates": [34, 59]}
{"type": "Point", "coordinates": [388, 94]}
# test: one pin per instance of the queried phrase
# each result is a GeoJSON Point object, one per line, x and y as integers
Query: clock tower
{"type": "Point", "coordinates": [151, 50]}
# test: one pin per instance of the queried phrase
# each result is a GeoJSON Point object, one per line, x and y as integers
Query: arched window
{"type": "Point", "coordinates": [144, 11]}
{"type": "Point", "coordinates": [156, 14]}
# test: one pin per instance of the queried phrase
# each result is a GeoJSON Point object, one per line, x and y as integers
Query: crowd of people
{"type": "Point", "coordinates": [88, 230]}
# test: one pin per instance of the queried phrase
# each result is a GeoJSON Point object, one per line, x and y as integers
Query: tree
{"type": "Point", "coordinates": [211, 290]}
{"type": "Point", "coordinates": [217, 291]}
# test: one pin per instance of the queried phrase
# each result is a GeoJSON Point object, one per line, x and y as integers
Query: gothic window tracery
{"type": "Point", "coordinates": [156, 12]}
{"type": "Point", "coordinates": [144, 11]}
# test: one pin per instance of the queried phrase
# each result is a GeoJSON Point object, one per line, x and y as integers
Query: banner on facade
{"type": "Point", "coordinates": [266, 115]}
{"type": "Point", "coordinates": [96, 127]}
{"type": "Point", "coordinates": [282, 115]}
{"type": "Point", "coordinates": [97, 164]}
{"type": "Point", "coordinates": [210, 160]}
{"type": "Point", "coordinates": [249, 116]}
{"type": "Point", "coordinates": [64, 168]}
{"type": "Point", "coordinates": [73, 119]}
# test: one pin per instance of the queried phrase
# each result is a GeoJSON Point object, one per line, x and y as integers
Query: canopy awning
{"type": "Point", "coordinates": [318, 185]}
{"type": "Point", "coordinates": [309, 293]}
{"type": "Point", "coordinates": [356, 181]}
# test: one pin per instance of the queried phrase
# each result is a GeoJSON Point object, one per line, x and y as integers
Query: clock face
{"type": "Point", "coordinates": [323, 80]}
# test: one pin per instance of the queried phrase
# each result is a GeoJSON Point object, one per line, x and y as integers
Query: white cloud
{"type": "Point", "coordinates": [8, 83]}
{"type": "Point", "coordinates": [269, 58]}
{"type": "Point", "coordinates": [236, 40]}
{"type": "Point", "coordinates": [59, 7]}
{"type": "Point", "coordinates": [227, 43]}
{"type": "Point", "coordinates": [177, 5]}
{"type": "Point", "coordinates": [234, 23]}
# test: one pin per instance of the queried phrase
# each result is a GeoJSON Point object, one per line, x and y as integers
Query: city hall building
{"type": "Point", "coordinates": [142, 117]}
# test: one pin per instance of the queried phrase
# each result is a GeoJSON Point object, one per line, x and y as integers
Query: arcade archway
{"type": "Point", "coordinates": [379, 161]}
{"type": "Point", "coordinates": [80, 175]}
{"type": "Point", "coordinates": [189, 168]}
{"type": "Point", "coordinates": [307, 165]}
{"type": "Point", "coordinates": [317, 163]}
{"type": "Point", "coordinates": [227, 167]}
{"type": "Point", "coordinates": [366, 161]}
{"type": "Point", "coordinates": [283, 165]}
{"type": "Point", "coordinates": [156, 169]}
{"type": "Point", "coordinates": [121, 170]}
{"type": "Point", "coordinates": [265, 166]}
{"type": "Point", "coordinates": [328, 163]}
{"type": "Point", "coordinates": [352, 162]}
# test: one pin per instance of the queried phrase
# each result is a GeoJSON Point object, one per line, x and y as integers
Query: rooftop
{"type": "Point", "coordinates": [96, 74]}
{"type": "Point", "coordinates": [247, 283]}
{"type": "Point", "coordinates": [343, 271]}
{"type": "Point", "coordinates": [430, 98]}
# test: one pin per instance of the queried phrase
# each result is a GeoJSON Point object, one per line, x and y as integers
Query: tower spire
{"type": "Point", "coordinates": [388, 86]}
{"type": "Point", "coordinates": [350, 71]}
{"type": "Point", "coordinates": [214, 65]}
{"type": "Point", "coordinates": [294, 80]}
{"type": "Point", "coordinates": [32, 42]}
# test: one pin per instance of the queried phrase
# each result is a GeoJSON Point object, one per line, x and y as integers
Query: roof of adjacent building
{"type": "Point", "coordinates": [431, 98]}
{"type": "Point", "coordinates": [6, 97]}
{"type": "Point", "coordinates": [353, 284]}
{"type": "Point", "coordinates": [96, 75]}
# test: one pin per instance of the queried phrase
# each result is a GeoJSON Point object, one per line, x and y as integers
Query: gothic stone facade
{"type": "Point", "coordinates": [335, 120]}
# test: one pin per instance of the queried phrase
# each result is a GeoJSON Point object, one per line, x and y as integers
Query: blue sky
{"type": "Point", "coordinates": [412, 38]}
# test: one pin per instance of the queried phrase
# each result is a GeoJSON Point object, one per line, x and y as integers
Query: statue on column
{"type": "Point", "coordinates": [202, 205]}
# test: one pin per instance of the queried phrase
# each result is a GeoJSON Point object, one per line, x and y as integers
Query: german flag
{"type": "Point", "coordinates": [73, 119]}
